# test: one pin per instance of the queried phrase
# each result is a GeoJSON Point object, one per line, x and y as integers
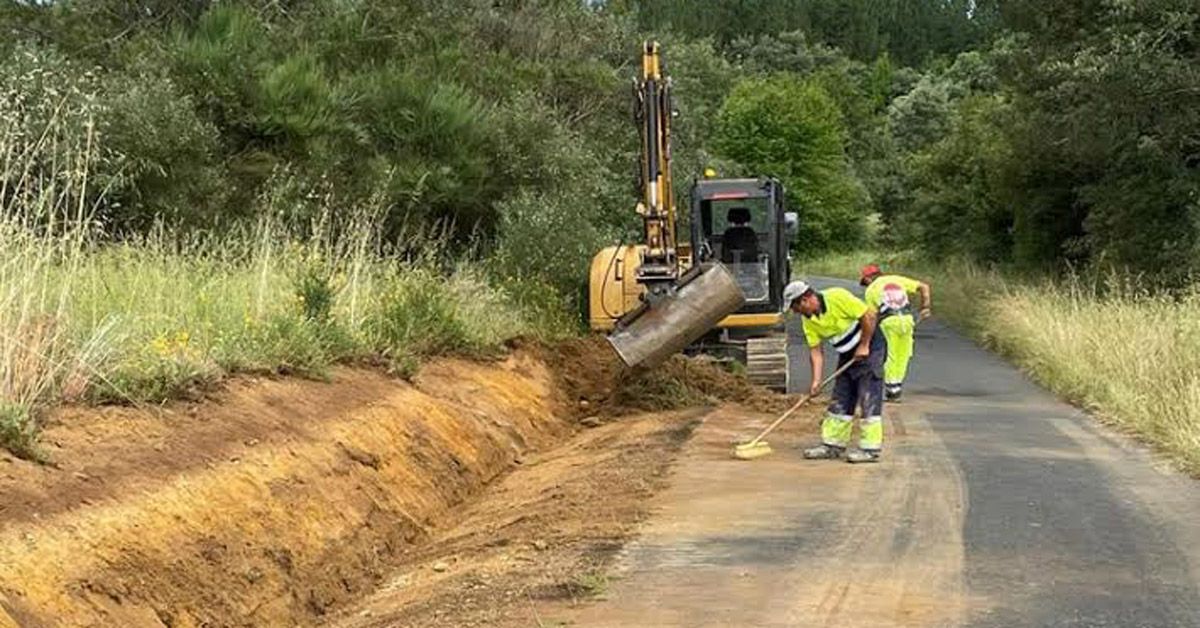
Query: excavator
{"type": "Point", "coordinates": [719, 291]}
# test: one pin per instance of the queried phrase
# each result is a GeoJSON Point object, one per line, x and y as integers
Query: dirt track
{"type": "Point", "coordinates": [779, 541]}
{"type": "Point", "coordinates": [996, 505]}
{"type": "Point", "coordinates": [544, 537]}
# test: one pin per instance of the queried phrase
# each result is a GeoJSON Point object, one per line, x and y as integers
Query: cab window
{"type": "Point", "coordinates": [715, 214]}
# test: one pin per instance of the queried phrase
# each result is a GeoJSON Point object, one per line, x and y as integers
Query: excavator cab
{"type": "Point", "coordinates": [742, 224]}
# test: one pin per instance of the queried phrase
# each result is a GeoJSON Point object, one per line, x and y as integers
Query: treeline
{"type": "Point", "coordinates": [503, 125]}
{"type": "Point", "coordinates": [1030, 133]}
{"type": "Point", "coordinates": [1036, 134]}
{"type": "Point", "coordinates": [500, 128]}
{"type": "Point", "coordinates": [912, 31]}
{"type": "Point", "coordinates": [1071, 138]}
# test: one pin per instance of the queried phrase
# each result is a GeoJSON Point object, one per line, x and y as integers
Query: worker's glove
{"type": "Point", "coordinates": [926, 313]}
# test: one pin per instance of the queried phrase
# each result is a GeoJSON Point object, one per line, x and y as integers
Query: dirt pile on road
{"type": "Point", "coordinates": [593, 375]}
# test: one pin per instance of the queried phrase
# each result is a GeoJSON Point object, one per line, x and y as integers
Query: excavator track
{"type": "Point", "coordinates": [767, 362]}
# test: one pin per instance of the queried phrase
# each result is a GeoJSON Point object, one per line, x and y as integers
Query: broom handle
{"type": "Point", "coordinates": [800, 403]}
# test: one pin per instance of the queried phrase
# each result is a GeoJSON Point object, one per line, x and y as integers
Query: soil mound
{"type": "Point", "coordinates": [591, 373]}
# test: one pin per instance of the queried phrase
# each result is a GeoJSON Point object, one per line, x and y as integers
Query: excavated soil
{"type": "Point", "coordinates": [277, 502]}
{"type": "Point", "coordinates": [269, 506]}
{"type": "Point", "coordinates": [592, 375]}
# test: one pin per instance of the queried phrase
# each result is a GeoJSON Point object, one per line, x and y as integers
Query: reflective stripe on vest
{"type": "Point", "coordinates": [848, 340]}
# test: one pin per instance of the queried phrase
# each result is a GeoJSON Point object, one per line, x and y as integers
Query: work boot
{"type": "Point", "coordinates": [824, 452]}
{"type": "Point", "coordinates": [859, 456]}
{"type": "Point", "coordinates": [892, 396]}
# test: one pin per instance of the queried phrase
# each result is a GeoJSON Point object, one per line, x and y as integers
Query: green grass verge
{"type": "Point", "coordinates": [88, 316]}
{"type": "Point", "coordinates": [152, 321]}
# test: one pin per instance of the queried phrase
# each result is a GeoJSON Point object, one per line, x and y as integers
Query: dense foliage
{"type": "Point", "coordinates": [1032, 133]}
{"type": "Point", "coordinates": [793, 129]}
{"type": "Point", "coordinates": [911, 30]}
{"type": "Point", "coordinates": [1026, 133]}
{"type": "Point", "coordinates": [482, 122]}
{"type": "Point", "coordinates": [1074, 139]}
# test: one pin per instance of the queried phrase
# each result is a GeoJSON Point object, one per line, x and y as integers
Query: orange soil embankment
{"type": "Point", "coordinates": [266, 506]}
{"type": "Point", "coordinates": [277, 501]}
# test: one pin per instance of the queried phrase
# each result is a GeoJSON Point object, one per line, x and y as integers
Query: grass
{"type": "Point", "coordinates": [85, 319]}
{"type": "Point", "coordinates": [589, 585]}
{"type": "Point", "coordinates": [1130, 357]}
{"type": "Point", "coordinates": [146, 322]}
{"type": "Point", "coordinates": [846, 265]}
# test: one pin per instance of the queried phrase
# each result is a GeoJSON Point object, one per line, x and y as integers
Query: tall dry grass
{"type": "Point", "coordinates": [44, 170]}
{"type": "Point", "coordinates": [83, 317]}
{"type": "Point", "coordinates": [1129, 355]}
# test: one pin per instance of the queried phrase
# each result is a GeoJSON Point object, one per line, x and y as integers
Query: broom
{"type": "Point", "coordinates": [758, 448]}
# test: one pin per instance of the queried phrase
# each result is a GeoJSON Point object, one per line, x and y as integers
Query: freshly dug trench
{"type": "Point", "coordinates": [541, 538]}
{"type": "Point", "coordinates": [269, 507]}
{"type": "Point", "coordinates": [279, 500]}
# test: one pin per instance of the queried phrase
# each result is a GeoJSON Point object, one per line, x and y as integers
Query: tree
{"type": "Point", "coordinates": [910, 30]}
{"type": "Point", "coordinates": [961, 197]}
{"type": "Point", "coordinates": [1108, 97]}
{"type": "Point", "coordinates": [792, 129]}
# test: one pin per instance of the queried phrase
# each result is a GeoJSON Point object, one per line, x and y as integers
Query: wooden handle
{"type": "Point", "coordinates": [806, 399]}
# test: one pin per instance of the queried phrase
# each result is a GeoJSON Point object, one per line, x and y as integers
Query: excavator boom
{"type": "Point", "coordinates": [678, 305]}
{"type": "Point", "coordinates": [660, 263]}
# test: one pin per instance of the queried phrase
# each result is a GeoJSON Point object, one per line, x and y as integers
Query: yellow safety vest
{"type": "Point", "coordinates": [836, 321]}
{"type": "Point", "coordinates": [889, 293]}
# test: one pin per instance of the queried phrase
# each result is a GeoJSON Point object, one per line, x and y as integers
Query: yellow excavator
{"type": "Point", "coordinates": [720, 292]}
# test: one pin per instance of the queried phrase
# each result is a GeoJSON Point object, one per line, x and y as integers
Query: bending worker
{"type": "Point", "coordinates": [839, 317]}
{"type": "Point", "coordinates": [889, 295]}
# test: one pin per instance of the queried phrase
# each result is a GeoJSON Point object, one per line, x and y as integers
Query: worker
{"type": "Point", "coordinates": [889, 295]}
{"type": "Point", "coordinates": [836, 316]}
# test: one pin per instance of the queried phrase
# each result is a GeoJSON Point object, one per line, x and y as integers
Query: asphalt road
{"type": "Point", "coordinates": [996, 505]}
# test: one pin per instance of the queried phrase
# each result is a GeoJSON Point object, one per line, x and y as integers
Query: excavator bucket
{"type": "Point", "coordinates": [658, 331]}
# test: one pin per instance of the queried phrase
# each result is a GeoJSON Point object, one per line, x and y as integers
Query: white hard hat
{"type": "Point", "coordinates": [793, 291]}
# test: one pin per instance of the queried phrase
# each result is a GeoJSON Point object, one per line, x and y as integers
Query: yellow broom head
{"type": "Point", "coordinates": [750, 451]}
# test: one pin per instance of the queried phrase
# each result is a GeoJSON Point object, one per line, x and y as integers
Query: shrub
{"type": "Point", "coordinates": [18, 430]}
{"type": "Point", "coordinates": [419, 317]}
{"type": "Point", "coordinates": [791, 129]}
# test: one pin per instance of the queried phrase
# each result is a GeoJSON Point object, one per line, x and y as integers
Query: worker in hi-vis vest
{"type": "Point", "coordinates": [889, 295]}
{"type": "Point", "coordinates": [836, 316]}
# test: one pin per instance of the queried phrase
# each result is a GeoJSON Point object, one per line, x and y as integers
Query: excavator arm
{"type": "Point", "coordinates": [659, 268]}
{"type": "Point", "coordinates": [676, 307]}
